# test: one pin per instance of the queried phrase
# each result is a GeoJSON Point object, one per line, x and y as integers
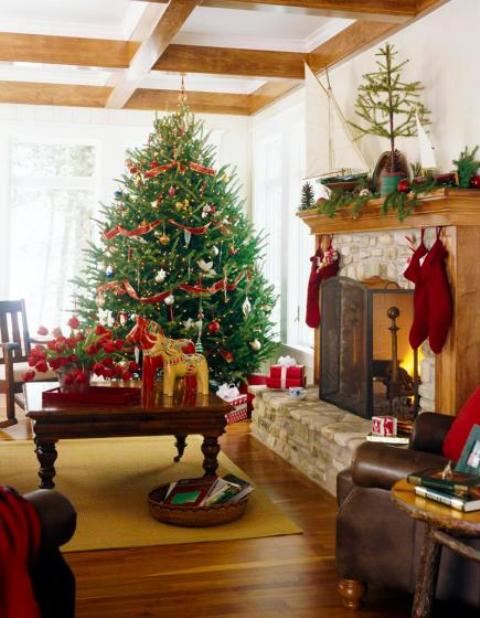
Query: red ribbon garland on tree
{"type": "Point", "coordinates": [195, 167]}
{"type": "Point", "coordinates": [148, 227]}
{"type": "Point", "coordinates": [124, 287]}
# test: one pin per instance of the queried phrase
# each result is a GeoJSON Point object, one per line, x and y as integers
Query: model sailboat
{"type": "Point", "coordinates": [427, 153]}
{"type": "Point", "coordinates": [332, 155]}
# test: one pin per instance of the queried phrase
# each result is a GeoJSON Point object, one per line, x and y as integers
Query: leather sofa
{"type": "Point", "coordinates": [53, 581]}
{"type": "Point", "coordinates": [379, 544]}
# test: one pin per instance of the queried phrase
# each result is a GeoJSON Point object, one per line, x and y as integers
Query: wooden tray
{"type": "Point", "coordinates": [192, 516]}
{"type": "Point", "coordinates": [94, 394]}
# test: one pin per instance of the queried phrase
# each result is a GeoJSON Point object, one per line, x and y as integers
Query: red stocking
{"type": "Point", "coordinates": [440, 300]}
{"type": "Point", "coordinates": [415, 273]}
{"type": "Point", "coordinates": [324, 265]}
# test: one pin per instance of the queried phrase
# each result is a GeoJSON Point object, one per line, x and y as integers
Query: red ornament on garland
{"type": "Point", "coordinates": [403, 186]}
{"type": "Point", "coordinates": [214, 326]}
{"type": "Point", "coordinates": [226, 355]}
{"type": "Point", "coordinates": [475, 182]}
{"type": "Point", "coordinates": [172, 191]}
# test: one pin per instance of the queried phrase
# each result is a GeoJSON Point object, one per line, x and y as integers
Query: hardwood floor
{"type": "Point", "coordinates": [292, 576]}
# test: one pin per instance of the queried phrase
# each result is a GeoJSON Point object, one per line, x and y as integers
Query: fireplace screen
{"type": "Point", "coordinates": [367, 364]}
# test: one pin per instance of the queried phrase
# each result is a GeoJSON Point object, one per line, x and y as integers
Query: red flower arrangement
{"type": "Point", "coordinates": [75, 357]}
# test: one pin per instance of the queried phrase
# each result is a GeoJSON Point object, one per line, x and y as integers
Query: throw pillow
{"type": "Point", "coordinates": [458, 433]}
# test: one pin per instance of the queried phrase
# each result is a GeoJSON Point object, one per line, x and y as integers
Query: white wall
{"type": "Point", "coordinates": [113, 131]}
{"type": "Point", "coordinates": [443, 48]}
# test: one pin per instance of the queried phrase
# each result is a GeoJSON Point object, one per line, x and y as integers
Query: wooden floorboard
{"type": "Point", "coordinates": [289, 576]}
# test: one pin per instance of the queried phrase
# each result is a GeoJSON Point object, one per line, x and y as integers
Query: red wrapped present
{"type": "Point", "coordinates": [231, 394]}
{"type": "Point", "coordinates": [286, 373]}
{"type": "Point", "coordinates": [277, 382]}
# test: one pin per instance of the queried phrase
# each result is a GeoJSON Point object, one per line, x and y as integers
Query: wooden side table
{"type": "Point", "coordinates": [443, 524]}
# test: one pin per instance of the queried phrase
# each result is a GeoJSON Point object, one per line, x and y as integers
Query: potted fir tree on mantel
{"type": "Point", "coordinates": [389, 108]}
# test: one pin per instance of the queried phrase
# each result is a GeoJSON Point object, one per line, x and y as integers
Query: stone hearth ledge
{"type": "Point", "coordinates": [316, 437]}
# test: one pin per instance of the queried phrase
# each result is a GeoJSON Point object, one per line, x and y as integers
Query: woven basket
{"type": "Point", "coordinates": [192, 516]}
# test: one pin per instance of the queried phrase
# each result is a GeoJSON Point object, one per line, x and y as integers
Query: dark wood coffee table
{"type": "Point", "coordinates": [181, 415]}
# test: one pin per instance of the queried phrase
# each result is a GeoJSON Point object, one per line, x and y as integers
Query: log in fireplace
{"type": "Point", "coordinates": [368, 366]}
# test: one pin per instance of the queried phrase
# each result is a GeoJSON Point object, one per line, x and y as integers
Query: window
{"type": "Point", "coordinates": [52, 200]}
{"type": "Point", "coordinates": [278, 170]}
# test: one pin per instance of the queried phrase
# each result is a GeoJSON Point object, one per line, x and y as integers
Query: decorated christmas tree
{"type": "Point", "coordinates": [176, 248]}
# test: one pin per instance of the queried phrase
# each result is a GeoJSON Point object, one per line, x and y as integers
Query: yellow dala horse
{"type": "Point", "coordinates": [160, 351]}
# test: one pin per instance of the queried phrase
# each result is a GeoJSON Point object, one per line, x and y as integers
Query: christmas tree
{"type": "Point", "coordinates": [177, 248]}
{"type": "Point", "coordinates": [308, 197]}
{"type": "Point", "coordinates": [388, 105]}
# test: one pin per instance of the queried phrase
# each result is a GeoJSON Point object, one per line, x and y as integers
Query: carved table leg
{"type": "Point", "coordinates": [210, 450]}
{"type": "Point", "coordinates": [180, 443]}
{"type": "Point", "coordinates": [46, 455]}
{"type": "Point", "coordinates": [352, 592]}
{"type": "Point", "coordinates": [427, 576]}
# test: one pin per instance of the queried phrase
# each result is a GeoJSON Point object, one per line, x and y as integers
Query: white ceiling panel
{"type": "Point", "coordinates": [105, 19]}
{"type": "Point", "coordinates": [257, 30]}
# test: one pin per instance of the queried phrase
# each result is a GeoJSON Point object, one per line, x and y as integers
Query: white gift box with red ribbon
{"type": "Point", "coordinates": [384, 426]}
{"type": "Point", "coordinates": [231, 394]}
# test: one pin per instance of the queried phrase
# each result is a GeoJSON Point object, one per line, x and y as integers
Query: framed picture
{"type": "Point", "coordinates": [470, 458]}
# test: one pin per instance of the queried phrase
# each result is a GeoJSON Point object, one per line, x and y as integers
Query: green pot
{"type": "Point", "coordinates": [389, 182]}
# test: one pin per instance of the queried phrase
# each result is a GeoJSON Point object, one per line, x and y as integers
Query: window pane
{"type": "Point", "coordinates": [47, 253]}
{"type": "Point", "coordinates": [52, 160]}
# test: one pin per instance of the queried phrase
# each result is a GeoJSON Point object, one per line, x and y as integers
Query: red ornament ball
{"type": "Point", "coordinates": [403, 186]}
{"type": "Point", "coordinates": [214, 326]}
{"type": "Point", "coordinates": [475, 182]}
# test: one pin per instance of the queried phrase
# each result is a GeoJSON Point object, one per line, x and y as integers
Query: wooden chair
{"type": "Point", "coordinates": [15, 347]}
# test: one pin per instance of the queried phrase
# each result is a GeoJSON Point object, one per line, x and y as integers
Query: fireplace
{"type": "Point", "coordinates": [368, 366]}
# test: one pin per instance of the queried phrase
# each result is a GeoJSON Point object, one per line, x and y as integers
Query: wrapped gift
{"type": "Point", "coordinates": [231, 394]}
{"type": "Point", "coordinates": [286, 373]}
{"type": "Point", "coordinates": [384, 426]}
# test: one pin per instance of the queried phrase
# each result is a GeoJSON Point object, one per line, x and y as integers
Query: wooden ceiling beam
{"type": "Point", "coordinates": [202, 102]}
{"type": "Point", "coordinates": [73, 95]}
{"type": "Point", "coordinates": [151, 49]}
{"type": "Point", "coordinates": [66, 50]}
{"type": "Point", "coordinates": [231, 61]}
{"type": "Point", "coordinates": [31, 93]}
{"type": "Point", "coordinates": [383, 10]}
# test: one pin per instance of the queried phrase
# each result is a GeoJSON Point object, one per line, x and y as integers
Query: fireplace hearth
{"type": "Point", "coordinates": [368, 366]}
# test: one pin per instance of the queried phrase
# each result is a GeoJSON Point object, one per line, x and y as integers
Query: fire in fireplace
{"type": "Point", "coordinates": [367, 364]}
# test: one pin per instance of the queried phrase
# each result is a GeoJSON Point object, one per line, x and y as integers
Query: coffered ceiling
{"type": "Point", "coordinates": [237, 56]}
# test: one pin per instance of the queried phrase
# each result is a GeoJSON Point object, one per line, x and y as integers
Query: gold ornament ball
{"type": "Point", "coordinates": [255, 345]}
{"type": "Point", "coordinates": [164, 239]}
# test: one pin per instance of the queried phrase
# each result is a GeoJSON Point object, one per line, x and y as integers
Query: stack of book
{"type": "Point", "coordinates": [459, 490]}
{"type": "Point", "coordinates": [207, 491]}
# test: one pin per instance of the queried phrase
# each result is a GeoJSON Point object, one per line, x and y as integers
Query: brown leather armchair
{"type": "Point", "coordinates": [379, 544]}
{"type": "Point", "coordinates": [53, 581]}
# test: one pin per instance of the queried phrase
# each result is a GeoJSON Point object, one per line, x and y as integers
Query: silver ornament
{"type": "Point", "coordinates": [255, 345]}
{"type": "Point", "coordinates": [215, 250]}
{"type": "Point", "coordinates": [161, 276]}
{"type": "Point", "coordinates": [187, 236]}
{"type": "Point", "coordinates": [246, 307]}
{"type": "Point", "coordinates": [169, 300]}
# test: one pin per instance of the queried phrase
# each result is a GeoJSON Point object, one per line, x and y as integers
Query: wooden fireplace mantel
{"type": "Point", "coordinates": [443, 207]}
{"type": "Point", "coordinates": [457, 367]}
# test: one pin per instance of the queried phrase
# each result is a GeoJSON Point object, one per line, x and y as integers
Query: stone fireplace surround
{"type": "Point", "coordinates": [321, 439]}
{"type": "Point", "coordinates": [317, 437]}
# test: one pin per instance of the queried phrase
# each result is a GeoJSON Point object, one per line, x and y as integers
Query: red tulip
{"type": "Point", "coordinates": [98, 369]}
{"type": "Point", "coordinates": [42, 330]}
{"type": "Point", "coordinates": [73, 322]}
{"type": "Point", "coordinates": [132, 366]}
{"type": "Point", "coordinates": [42, 367]}
{"type": "Point", "coordinates": [100, 330]}
{"type": "Point", "coordinates": [68, 379]}
{"type": "Point", "coordinates": [109, 347]}
{"type": "Point", "coordinates": [81, 378]}
{"type": "Point", "coordinates": [28, 376]}
{"type": "Point", "coordinates": [126, 375]}
{"type": "Point", "coordinates": [91, 349]}
{"type": "Point", "coordinates": [119, 343]}
{"type": "Point", "coordinates": [54, 363]}
{"type": "Point", "coordinates": [107, 361]}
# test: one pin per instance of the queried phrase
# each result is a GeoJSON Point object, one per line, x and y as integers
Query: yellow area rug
{"type": "Point", "coordinates": [108, 481]}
